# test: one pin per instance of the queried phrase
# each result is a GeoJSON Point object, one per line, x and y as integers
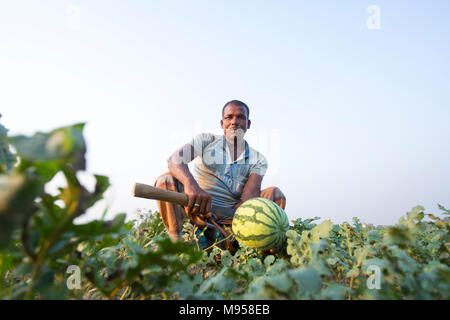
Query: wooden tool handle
{"type": "Point", "coordinates": [146, 191]}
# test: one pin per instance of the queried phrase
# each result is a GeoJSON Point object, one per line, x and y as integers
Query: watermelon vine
{"type": "Point", "coordinates": [39, 243]}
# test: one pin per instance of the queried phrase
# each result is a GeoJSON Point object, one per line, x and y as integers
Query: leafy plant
{"type": "Point", "coordinates": [40, 243]}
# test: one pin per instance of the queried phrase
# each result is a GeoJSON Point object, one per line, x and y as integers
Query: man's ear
{"type": "Point", "coordinates": [221, 124]}
{"type": "Point", "coordinates": [249, 122]}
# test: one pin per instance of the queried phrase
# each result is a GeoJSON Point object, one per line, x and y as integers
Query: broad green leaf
{"type": "Point", "coordinates": [291, 234]}
{"type": "Point", "coordinates": [186, 287]}
{"type": "Point", "coordinates": [307, 279]}
{"type": "Point", "coordinates": [49, 152]}
{"type": "Point", "coordinates": [335, 292]}
{"type": "Point", "coordinates": [17, 194]}
{"type": "Point", "coordinates": [398, 236]}
{"type": "Point", "coordinates": [210, 282]}
{"type": "Point", "coordinates": [95, 228]}
{"type": "Point", "coordinates": [101, 185]}
{"type": "Point", "coordinates": [224, 283]}
{"type": "Point", "coordinates": [321, 231]}
{"type": "Point", "coordinates": [282, 282]}
{"type": "Point", "coordinates": [320, 266]}
{"type": "Point", "coordinates": [278, 267]}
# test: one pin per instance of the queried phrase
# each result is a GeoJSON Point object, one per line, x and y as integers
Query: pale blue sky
{"type": "Point", "coordinates": [353, 121]}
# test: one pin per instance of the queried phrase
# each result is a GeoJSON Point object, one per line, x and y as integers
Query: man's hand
{"type": "Point", "coordinates": [199, 200]}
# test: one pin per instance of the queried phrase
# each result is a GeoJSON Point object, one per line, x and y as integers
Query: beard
{"type": "Point", "coordinates": [235, 135]}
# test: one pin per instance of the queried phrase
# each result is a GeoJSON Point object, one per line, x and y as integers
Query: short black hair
{"type": "Point", "coordinates": [236, 103]}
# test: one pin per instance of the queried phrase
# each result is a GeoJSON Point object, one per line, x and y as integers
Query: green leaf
{"type": "Point", "coordinates": [96, 228]}
{"type": "Point", "coordinates": [101, 185]}
{"type": "Point", "coordinates": [210, 282]}
{"type": "Point", "coordinates": [48, 152]}
{"type": "Point", "coordinates": [332, 260]}
{"type": "Point", "coordinates": [278, 267]}
{"type": "Point", "coordinates": [353, 272]}
{"type": "Point", "coordinates": [335, 292]}
{"type": "Point", "coordinates": [321, 231]}
{"type": "Point", "coordinates": [59, 246]}
{"type": "Point", "coordinates": [302, 225]}
{"type": "Point", "coordinates": [398, 236]}
{"type": "Point", "coordinates": [227, 259]}
{"type": "Point", "coordinates": [45, 280]}
{"type": "Point", "coordinates": [374, 235]}
{"type": "Point", "coordinates": [25, 268]}
{"type": "Point", "coordinates": [17, 194]}
{"type": "Point", "coordinates": [224, 283]}
{"type": "Point", "coordinates": [282, 282]}
{"type": "Point", "coordinates": [269, 260]}
{"type": "Point", "coordinates": [291, 234]}
{"type": "Point", "coordinates": [307, 279]}
{"type": "Point", "coordinates": [186, 286]}
{"type": "Point", "coordinates": [7, 158]}
{"type": "Point", "coordinates": [441, 207]}
{"type": "Point", "coordinates": [320, 266]}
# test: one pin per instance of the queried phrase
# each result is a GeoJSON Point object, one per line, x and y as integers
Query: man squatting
{"type": "Point", "coordinates": [225, 172]}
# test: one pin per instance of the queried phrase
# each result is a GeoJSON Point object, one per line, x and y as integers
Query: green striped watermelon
{"type": "Point", "coordinates": [260, 223]}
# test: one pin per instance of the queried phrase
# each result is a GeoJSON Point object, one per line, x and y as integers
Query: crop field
{"type": "Point", "coordinates": [44, 255]}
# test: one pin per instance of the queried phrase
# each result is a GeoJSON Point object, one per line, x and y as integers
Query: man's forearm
{"type": "Point", "coordinates": [249, 195]}
{"type": "Point", "coordinates": [181, 172]}
{"type": "Point", "coordinates": [252, 189]}
{"type": "Point", "coordinates": [199, 201]}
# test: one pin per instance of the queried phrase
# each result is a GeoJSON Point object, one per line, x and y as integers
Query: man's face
{"type": "Point", "coordinates": [234, 121]}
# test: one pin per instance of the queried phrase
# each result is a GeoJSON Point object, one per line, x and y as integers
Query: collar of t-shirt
{"type": "Point", "coordinates": [243, 157]}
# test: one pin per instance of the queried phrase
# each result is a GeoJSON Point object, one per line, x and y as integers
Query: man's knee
{"type": "Point", "coordinates": [165, 181]}
{"type": "Point", "coordinates": [272, 192]}
{"type": "Point", "coordinates": [275, 194]}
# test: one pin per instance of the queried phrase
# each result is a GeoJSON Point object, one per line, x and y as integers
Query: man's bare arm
{"type": "Point", "coordinates": [178, 161]}
{"type": "Point", "coordinates": [252, 188]}
{"type": "Point", "coordinates": [178, 167]}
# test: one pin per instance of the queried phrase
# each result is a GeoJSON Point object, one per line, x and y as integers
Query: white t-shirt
{"type": "Point", "coordinates": [217, 174]}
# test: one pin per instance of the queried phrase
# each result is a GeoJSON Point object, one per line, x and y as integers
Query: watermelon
{"type": "Point", "coordinates": [260, 223]}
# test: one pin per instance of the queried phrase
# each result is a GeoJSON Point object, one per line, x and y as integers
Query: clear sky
{"type": "Point", "coordinates": [350, 105]}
